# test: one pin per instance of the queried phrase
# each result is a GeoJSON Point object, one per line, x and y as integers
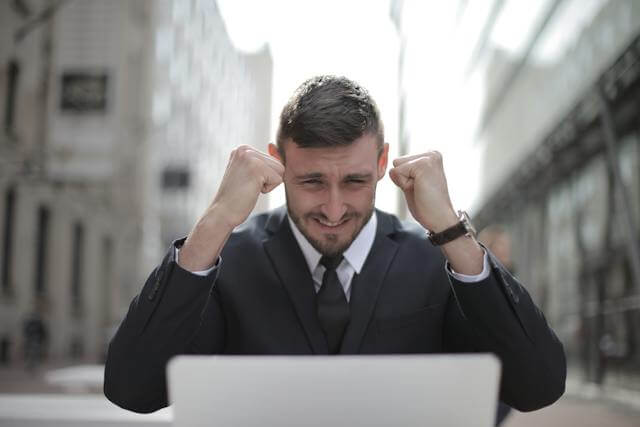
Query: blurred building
{"type": "Point", "coordinates": [117, 121]}
{"type": "Point", "coordinates": [551, 94]}
{"type": "Point", "coordinates": [561, 169]}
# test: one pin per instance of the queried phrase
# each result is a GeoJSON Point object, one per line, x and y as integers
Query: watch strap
{"type": "Point", "coordinates": [449, 234]}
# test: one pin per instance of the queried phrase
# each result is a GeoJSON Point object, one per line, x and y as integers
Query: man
{"type": "Point", "coordinates": [330, 274]}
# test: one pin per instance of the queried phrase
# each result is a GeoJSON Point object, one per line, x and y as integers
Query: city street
{"type": "Point", "coordinates": [570, 410]}
{"type": "Point", "coordinates": [338, 155]}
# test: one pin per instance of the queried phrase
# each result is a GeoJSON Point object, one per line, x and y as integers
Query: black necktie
{"type": "Point", "coordinates": [333, 308]}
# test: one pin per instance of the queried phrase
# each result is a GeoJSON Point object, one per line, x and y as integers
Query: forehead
{"type": "Point", "coordinates": [359, 156]}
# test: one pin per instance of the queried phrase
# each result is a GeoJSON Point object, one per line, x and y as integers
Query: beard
{"type": "Point", "coordinates": [330, 245]}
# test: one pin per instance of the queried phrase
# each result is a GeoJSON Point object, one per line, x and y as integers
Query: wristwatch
{"type": "Point", "coordinates": [462, 228]}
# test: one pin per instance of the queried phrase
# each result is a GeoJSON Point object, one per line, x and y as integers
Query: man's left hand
{"type": "Point", "coordinates": [421, 178]}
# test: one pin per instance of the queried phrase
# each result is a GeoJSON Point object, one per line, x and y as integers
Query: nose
{"type": "Point", "coordinates": [334, 207]}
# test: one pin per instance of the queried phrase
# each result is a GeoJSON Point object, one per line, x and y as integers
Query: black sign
{"type": "Point", "coordinates": [175, 178]}
{"type": "Point", "coordinates": [84, 92]}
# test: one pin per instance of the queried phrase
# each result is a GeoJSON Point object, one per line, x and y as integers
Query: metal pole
{"type": "Point", "coordinates": [501, 94]}
{"type": "Point", "coordinates": [397, 9]}
{"type": "Point", "coordinates": [622, 199]}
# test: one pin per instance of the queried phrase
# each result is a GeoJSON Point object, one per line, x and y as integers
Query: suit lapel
{"type": "Point", "coordinates": [366, 285]}
{"type": "Point", "coordinates": [291, 267]}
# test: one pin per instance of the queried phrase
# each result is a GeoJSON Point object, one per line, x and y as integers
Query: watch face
{"type": "Point", "coordinates": [464, 217]}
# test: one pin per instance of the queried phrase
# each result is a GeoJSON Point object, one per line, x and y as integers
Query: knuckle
{"type": "Point", "coordinates": [424, 161]}
{"type": "Point", "coordinates": [243, 150]}
{"type": "Point", "coordinates": [252, 163]}
{"type": "Point", "coordinates": [256, 166]}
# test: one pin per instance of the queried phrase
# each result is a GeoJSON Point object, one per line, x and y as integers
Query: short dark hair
{"type": "Point", "coordinates": [329, 111]}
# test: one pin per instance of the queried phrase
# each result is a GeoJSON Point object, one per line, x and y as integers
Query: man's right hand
{"type": "Point", "coordinates": [249, 173]}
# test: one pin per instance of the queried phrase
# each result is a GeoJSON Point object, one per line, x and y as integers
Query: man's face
{"type": "Point", "coordinates": [331, 190]}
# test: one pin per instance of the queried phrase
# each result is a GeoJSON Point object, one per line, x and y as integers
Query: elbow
{"type": "Point", "coordinates": [125, 391]}
{"type": "Point", "coordinates": [555, 383]}
{"type": "Point", "coordinates": [550, 384]}
{"type": "Point", "coordinates": [543, 386]}
{"type": "Point", "coordinates": [547, 395]}
{"type": "Point", "coordinates": [125, 399]}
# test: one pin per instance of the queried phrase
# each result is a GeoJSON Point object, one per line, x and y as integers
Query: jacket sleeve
{"type": "Point", "coordinates": [176, 312]}
{"type": "Point", "coordinates": [497, 315]}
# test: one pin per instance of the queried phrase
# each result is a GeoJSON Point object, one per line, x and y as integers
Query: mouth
{"type": "Point", "coordinates": [329, 225]}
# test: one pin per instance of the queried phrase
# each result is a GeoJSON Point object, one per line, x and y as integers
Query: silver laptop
{"type": "Point", "coordinates": [334, 391]}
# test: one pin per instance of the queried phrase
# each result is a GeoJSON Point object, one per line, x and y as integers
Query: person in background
{"type": "Point", "coordinates": [35, 340]}
{"type": "Point", "coordinates": [496, 238]}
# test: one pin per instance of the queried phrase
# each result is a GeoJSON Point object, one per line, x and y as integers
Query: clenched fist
{"type": "Point", "coordinates": [421, 178]}
{"type": "Point", "coordinates": [249, 173]}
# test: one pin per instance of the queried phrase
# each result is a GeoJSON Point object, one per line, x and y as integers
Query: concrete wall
{"type": "Point", "coordinates": [178, 95]}
{"type": "Point", "coordinates": [544, 92]}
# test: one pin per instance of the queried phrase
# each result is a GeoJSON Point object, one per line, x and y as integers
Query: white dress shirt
{"type": "Point", "coordinates": [354, 258]}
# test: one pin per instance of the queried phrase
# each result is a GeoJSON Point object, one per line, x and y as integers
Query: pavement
{"type": "Point", "coordinates": [574, 411]}
{"type": "Point", "coordinates": [18, 379]}
{"type": "Point", "coordinates": [576, 408]}
{"type": "Point", "coordinates": [73, 410]}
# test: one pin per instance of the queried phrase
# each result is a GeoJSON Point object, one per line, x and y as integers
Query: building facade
{"type": "Point", "coordinates": [549, 96]}
{"type": "Point", "coordinates": [562, 173]}
{"type": "Point", "coordinates": [117, 121]}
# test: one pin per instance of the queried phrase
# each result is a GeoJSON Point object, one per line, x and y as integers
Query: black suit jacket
{"type": "Point", "coordinates": [261, 300]}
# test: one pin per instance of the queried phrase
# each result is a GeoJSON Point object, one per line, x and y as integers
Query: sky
{"type": "Point", "coordinates": [358, 39]}
{"type": "Point", "coordinates": [355, 38]}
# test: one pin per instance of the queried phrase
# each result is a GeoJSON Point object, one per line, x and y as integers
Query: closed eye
{"type": "Point", "coordinates": [311, 181]}
{"type": "Point", "coordinates": [358, 179]}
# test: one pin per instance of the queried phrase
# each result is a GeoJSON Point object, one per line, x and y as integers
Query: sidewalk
{"type": "Point", "coordinates": [16, 379]}
{"type": "Point", "coordinates": [572, 411]}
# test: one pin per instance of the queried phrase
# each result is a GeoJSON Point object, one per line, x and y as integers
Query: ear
{"type": "Point", "coordinates": [382, 161]}
{"type": "Point", "coordinates": [273, 151]}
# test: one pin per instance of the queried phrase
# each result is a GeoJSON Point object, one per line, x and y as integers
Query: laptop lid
{"type": "Point", "coordinates": [252, 391]}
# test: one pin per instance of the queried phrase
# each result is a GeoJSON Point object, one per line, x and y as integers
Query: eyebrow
{"type": "Point", "coordinates": [313, 175]}
{"type": "Point", "coordinates": [317, 175]}
{"type": "Point", "coordinates": [364, 176]}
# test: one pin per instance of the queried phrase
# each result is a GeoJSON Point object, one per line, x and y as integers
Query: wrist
{"type": "Point", "coordinates": [446, 220]}
{"type": "Point", "coordinates": [204, 244]}
{"type": "Point", "coordinates": [217, 217]}
{"type": "Point", "coordinates": [462, 227]}
{"type": "Point", "coordinates": [465, 255]}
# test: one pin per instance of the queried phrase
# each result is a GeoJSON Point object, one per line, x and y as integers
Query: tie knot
{"type": "Point", "coordinates": [331, 263]}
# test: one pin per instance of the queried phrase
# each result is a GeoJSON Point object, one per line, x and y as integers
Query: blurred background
{"type": "Point", "coordinates": [117, 118]}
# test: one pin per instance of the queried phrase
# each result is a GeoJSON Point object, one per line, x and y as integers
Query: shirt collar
{"type": "Point", "coordinates": [356, 253]}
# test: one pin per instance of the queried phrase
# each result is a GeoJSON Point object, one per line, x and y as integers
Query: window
{"type": "Point", "coordinates": [105, 279]}
{"type": "Point", "coordinates": [7, 246]}
{"type": "Point", "coordinates": [77, 265]}
{"type": "Point", "coordinates": [42, 242]}
{"type": "Point", "coordinates": [13, 72]}
{"type": "Point", "coordinates": [175, 178]}
{"type": "Point", "coordinates": [84, 92]}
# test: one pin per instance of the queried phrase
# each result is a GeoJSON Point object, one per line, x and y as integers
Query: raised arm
{"type": "Point", "coordinates": [178, 312]}
{"type": "Point", "coordinates": [495, 314]}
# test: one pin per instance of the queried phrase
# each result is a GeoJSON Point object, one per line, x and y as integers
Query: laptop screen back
{"type": "Point", "coordinates": [321, 391]}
